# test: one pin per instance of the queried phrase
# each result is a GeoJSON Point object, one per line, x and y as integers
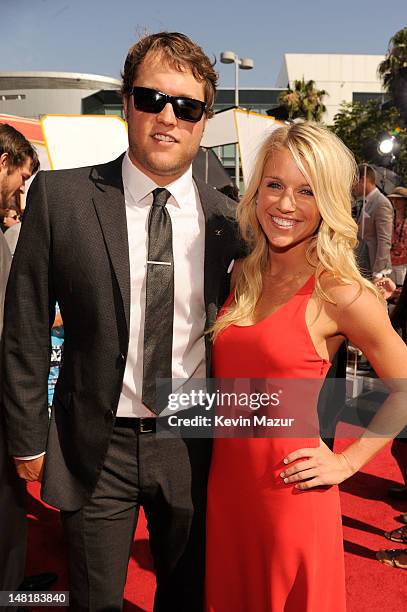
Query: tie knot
{"type": "Point", "coordinates": [160, 197]}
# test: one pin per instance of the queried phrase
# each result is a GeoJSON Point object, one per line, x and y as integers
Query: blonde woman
{"type": "Point", "coordinates": [274, 537]}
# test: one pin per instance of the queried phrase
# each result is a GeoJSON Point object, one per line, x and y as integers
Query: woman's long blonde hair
{"type": "Point", "coordinates": [331, 171]}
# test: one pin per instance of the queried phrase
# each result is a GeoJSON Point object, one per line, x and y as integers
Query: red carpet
{"type": "Point", "coordinates": [366, 510]}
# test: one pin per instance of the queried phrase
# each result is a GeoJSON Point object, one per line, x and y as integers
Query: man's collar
{"type": "Point", "coordinates": [371, 194]}
{"type": "Point", "coordinates": [138, 185]}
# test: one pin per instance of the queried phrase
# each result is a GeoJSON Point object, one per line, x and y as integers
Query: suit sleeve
{"type": "Point", "coordinates": [28, 314]}
{"type": "Point", "coordinates": [384, 231]}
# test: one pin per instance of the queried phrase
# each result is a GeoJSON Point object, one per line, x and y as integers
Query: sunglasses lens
{"type": "Point", "coordinates": [188, 109]}
{"type": "Point", "coordinates": [148, 100]}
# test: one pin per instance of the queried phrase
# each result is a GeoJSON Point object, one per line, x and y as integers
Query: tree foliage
{"type": "Point", "coordinates": [361, 126]}
{"type": "Point", "coordinates": [304, 101]}
{"type": "Point", "coordinates": [395, 60]}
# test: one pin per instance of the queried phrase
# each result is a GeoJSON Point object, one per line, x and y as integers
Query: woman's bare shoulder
{"type": "Point", "coordinates": [343, 294]}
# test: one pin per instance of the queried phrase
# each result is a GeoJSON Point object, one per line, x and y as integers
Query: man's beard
{"type": "Point", "coordinates": [4, 200]}
{"type": "Point", "coordinates": [6, 197]}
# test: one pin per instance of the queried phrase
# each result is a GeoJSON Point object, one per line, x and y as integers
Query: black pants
{"type": "Point", "coordinates": [168, 477]}
{"type": "Point", "coordinates": [13, 522]}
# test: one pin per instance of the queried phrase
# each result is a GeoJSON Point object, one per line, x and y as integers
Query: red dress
{"type": "Point", "coordinates": [271, 547]}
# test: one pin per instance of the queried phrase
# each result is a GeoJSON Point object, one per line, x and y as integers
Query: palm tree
{"type": "Point", "coordinates": [395, 61]}
{"type": "Point", "coordinates": [305, 100]}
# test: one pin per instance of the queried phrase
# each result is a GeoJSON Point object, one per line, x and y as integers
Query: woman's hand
{"type": "Point", "coordinates": [320, 467]}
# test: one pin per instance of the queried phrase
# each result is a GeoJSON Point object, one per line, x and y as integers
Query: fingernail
{"type": "Point", "coordinates": [282, 474]}
{"type": "Point", "coordinates": [286, 480]}
{"type": "Point", "coordinates": [285, 461]}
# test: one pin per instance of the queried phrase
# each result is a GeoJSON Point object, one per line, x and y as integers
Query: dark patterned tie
{"type": "Point", "coordinates": [159, 315]}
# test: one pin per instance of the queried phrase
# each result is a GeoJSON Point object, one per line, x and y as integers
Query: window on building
{"type": "Point", "coordinates": [365, 96]}
{"type": "Point", "coordinates": [4, 97]}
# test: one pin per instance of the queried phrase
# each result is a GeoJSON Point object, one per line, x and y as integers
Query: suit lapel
{"type": "Point", "coordinates": [214, 266]}
{"type": "Point", "coordinates": [108, 199]}
{"type": "Point", "coordinates": [209, 210]}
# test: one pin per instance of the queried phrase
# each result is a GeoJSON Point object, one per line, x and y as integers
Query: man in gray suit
{"type": "Point", "coordinates": [137, 254]}
{"type": "Point", "coordinates": [375, 225]}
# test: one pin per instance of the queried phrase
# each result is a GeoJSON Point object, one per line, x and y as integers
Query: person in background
{"type": "Point", "coordinates": [5, 263]}
{"type": "Point", "coordinates": [375, 225]}
{"type": "Point", "coordinates": [399, 314]}
{"type": "Point", "coordinates": [398, 198]}
{"type": "Point", "coordinates": [18, 161]}
{"type": "Point", "coordinates": [397, 557]}
{"type": "Point", "coordinates": [8, 218]}
{"type": "Point", "coordinates": [375, 229]}
{"type": "Point", "coordinates": [11, 236]}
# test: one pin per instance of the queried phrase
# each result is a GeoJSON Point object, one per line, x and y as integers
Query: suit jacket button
{"type": "Point", "coordinates": [109, 415]}
{"type": "Point", "coordinates": [121, 360]}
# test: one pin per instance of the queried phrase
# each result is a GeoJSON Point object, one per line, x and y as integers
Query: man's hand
{"type": "Point", "coordinates": [386, 287]}
{"type": "Point", "coordinates": [30, 469]}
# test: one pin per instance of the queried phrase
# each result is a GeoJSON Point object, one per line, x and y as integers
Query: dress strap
{"type": "Point", "coordinates": [309, 286]}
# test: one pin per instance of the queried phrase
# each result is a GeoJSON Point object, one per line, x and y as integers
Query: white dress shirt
{"type": "Point", "coordinates": [188, 230]}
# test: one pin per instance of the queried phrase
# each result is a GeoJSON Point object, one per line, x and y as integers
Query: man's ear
{"type": "Point", "coordinates": [125, 105]}
{"type": "Point", "coordinates": [205, 123]}
{"type": "Point", "coordinates": [4, 161]}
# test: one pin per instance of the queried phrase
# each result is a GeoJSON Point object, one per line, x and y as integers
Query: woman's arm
{"type": "Point", "coordinates": [364, 320]}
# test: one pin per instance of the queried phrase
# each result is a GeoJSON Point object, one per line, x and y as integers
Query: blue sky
{"type": "Point", "coordinates": [93, 36]}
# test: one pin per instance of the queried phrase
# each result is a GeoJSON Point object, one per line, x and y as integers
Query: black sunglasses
{"type": "Point", "coordinates": [153, 101]}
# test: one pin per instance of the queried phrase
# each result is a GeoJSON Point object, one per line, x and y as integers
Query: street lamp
{"type": "Point", "coordinates": [230, 57]}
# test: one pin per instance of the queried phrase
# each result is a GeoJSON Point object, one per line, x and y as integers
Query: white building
{"type": "Point", "coordinates": [346, 78]}
{"type": "Point", "coordinates": [34, 94]}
